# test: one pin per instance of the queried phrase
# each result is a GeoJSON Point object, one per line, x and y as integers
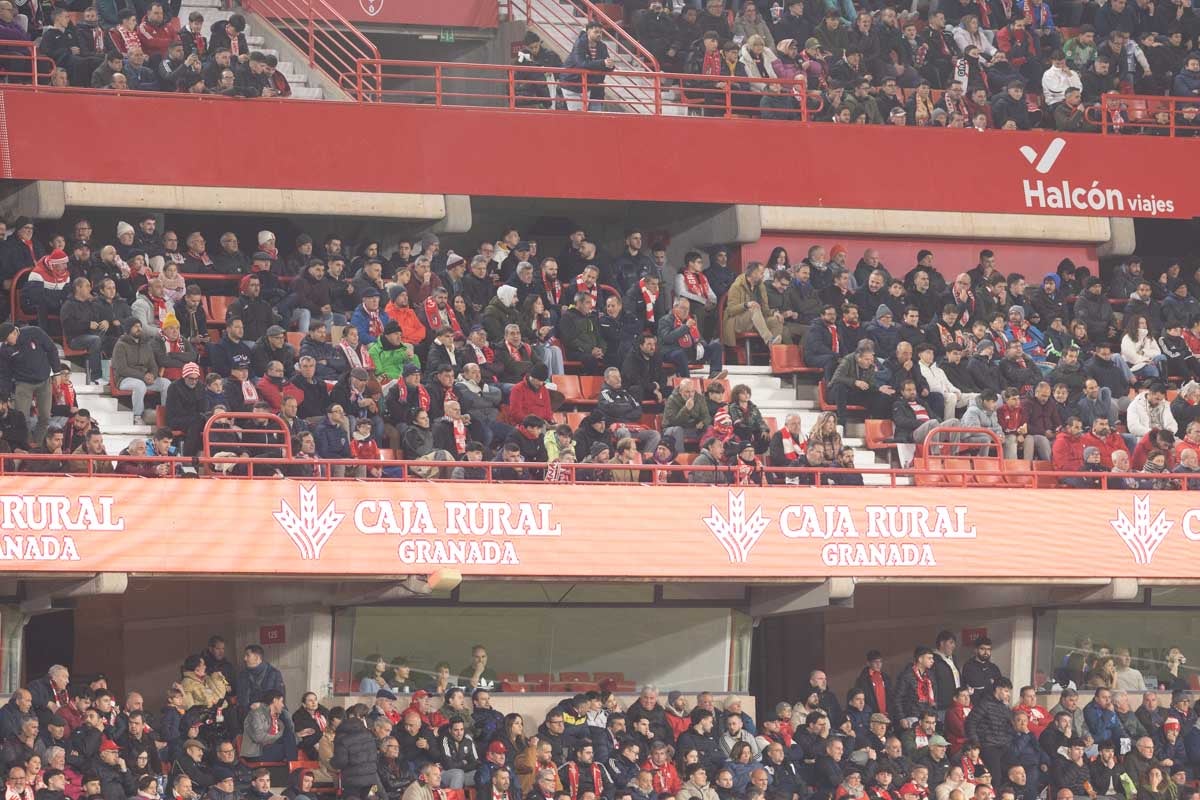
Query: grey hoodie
{"type": "Point", "coordinates": [976, 416]}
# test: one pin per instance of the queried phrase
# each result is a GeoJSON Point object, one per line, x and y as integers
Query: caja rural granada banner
{"type": "Point", "coordinates": [361, 528]}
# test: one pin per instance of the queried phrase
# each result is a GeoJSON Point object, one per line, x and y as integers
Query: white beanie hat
{"type": "Point", "coordinates": [124, 228]}
{"type": "Point", "coordinates": [507, 294]}
{"type": "Point", "coordinates": [265, 236]}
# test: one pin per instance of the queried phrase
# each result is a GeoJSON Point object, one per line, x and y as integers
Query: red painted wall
{"type": "Point", "coordinates": [440, 13]}
{"type": "Point", "coordinates": [950, 256]}
{"type": "Point", "coordinates": [353, 147]}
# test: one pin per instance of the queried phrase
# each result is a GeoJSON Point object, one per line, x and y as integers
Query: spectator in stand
{"type": "Point", "coordinates": [1068, 452]}
{"type": "Point", "coordinates": [1149, 411]}
{"type": "Point", "coordinates": [745, 309]}
{"type": "Point", "coordinates": [28, 359]}
{"type": "Point", "coordinates": [856, 381]}
{"type": "Point", "coordinates": [591, 55]}
{"type": "Point", "coordinates": [83, 326]}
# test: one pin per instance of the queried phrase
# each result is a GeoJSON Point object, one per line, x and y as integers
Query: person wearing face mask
{"type": "Point", "coordinates": [135, 368]}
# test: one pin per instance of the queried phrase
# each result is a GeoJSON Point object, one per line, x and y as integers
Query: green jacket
{"type": "Point", "coordinates": [675, 414]}
{"type": "Point", "coordinates": [391, 361]}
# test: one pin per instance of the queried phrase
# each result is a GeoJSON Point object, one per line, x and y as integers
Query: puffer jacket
{"type": "Point", "coordinates": [976, 416]}
{"type": "Point", "coordinates": [990, 722]}
{"type": "Point", "coordinates": [133, 358]}
{"type": "Point", "coordinates": [355, 755]}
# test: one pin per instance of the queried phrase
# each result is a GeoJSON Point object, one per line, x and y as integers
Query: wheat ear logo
{"type": "Point", "coordinates": [736, 531]}
{"type": "Point", "coordinates": [308, 530]}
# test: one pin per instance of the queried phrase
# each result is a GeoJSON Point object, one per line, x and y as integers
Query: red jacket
{"type": "Point", "coordinates": [666, 778]}
{"type": "Point", "coordinates": [274, 394]}
{"type": "Point", "coordinates": [678, 725]}
{"type": "Point", "coordinates": [1039, 718]}
{"type": "Point", "coordinates": [1107, 446]}
{"type": "Point", "coordinates": [523, 401]}
{"type": "Point", "coordinates": [155, 38]}
{"type": "Point", "coordinates": [1142, 452]}
{"type": "Point", "coordinates": [956, 726]}
{"type": "Point", "coordinates": [1067, 453]}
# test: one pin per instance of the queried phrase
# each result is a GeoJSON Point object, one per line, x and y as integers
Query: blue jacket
{"type": "Point", "coordinates": [1187, 84]}
{"type": "Point", "coordinates": [251, 684]}
{"type": "Point", "coordinates": [360, 320]}
{"type": "Point", "coordinates": [221, 355]}
{"type": "Point", "coordinates": [1104, 724]}
{"type": "Point", "coordinates": [332, 441]}
{"type": "Point", "coordinates": [580, 58]}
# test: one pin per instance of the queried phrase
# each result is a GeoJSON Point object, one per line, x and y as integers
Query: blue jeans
{"type": "Point", "coordinates": [678, 358]}
{"type": "Point", "coordinates": [303, 319]}
{"type": "Point", "coordinates": [91, 343]}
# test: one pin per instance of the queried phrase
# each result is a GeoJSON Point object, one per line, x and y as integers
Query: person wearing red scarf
{"type": "Point", "coordinates": [914, 688]}
{"type": "Point", "coordinates": [582, 774]}
{"type": "Point", "coordinates": [551, 289]}
{"type": "Point", "coordinates": [875, 683]}
{"type": "Point", "coordinates": [787, 449]}
{"type": "Point", "coordinates": [46, 288]}
{"type": "Point", "coordinates": [439, 314]}
{"type": "Point", "coordinates": [683, 344]}
{"type": "Point", "coordinates": [646, 300]}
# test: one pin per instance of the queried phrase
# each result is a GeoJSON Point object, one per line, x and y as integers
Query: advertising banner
{"type": "Point", "coordinates": [826, 166]}
{"type": "Point", "coordinates": [381, 528]}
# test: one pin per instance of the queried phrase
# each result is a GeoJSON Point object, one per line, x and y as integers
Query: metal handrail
{"type": "Point", "coordinates": [648, 473]}
{"type": "Point", "coordinates": [24, 66]}
{"type": "Point", "coordinates": [516, 87]}
{"type": "Point", "coordinates": [538, 16]}
{"type": "Point", "coordinates": [329, 41]}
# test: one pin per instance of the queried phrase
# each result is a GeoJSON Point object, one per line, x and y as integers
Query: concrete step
{"type": "Point", "coordinates": [308, 92]}
{"type": "Point", "coordinates": [741, 369]}
{"type": "Point", "coordinates": [256, 41]}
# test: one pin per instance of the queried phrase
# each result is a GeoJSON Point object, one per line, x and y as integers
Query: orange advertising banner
{"type": "Point", "coordinates": [382, 528]}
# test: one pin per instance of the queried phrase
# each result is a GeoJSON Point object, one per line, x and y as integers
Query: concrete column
{"type": "Point", "coordinates": [12, 631]}
{"type": "Point", "coordinates": [1021, 650]}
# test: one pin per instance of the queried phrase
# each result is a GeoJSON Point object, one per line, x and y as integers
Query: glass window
{"type": "Point", "coordinates": [543, 647]}
{"type": "Point", "coordinates": [1144, 645]}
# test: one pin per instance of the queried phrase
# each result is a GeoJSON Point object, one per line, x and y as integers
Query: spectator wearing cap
{"type": "Point", "coordinates": [495, 760]}
{"type": "Point", "coordinates": [116, 779]}
{"type": "Point", "coordinates": [223, 786]}
{"type": "Point", "coordinates": [398, 310]}
{"type": "Point", "coordinates": [273, 346]}
{"type": "Point", "coordinates": [331, 363]}
{"type": "Point", "coordinates": [359, 396]}
{"type": "Point", "coordinates": [367, 318]}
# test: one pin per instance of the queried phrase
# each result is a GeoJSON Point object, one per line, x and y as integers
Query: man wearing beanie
{"type": "Point", "coordinates": [27, 360]}
{"type": "Point", "coordinates": [531, 397]}
{"type": "Point", "coordinates": [187, 407]}
{"type": "Point", "coordinates": [46, 288]}
{"type": "Point", "coordinates": [389, 352]}
{"type": "Point", "coordinates": [135, 369]}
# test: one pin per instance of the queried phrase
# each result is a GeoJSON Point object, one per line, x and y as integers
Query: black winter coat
{"type": "Point", "coordinates": [356, 755]}
{"type": "Point", "coordinates": [33, 359]}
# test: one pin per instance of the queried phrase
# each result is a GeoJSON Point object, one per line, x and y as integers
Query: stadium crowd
{"type": "Point", "coordinates": [143, 46]}
{"type": "Point", "coordinates": [981, 64]}
{"type": "Point", "coordinates": [453, 359]}
{"type": "Point", "coordinates": [941, 727]}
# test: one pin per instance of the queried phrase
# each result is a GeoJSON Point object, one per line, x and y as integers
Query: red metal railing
{"type": "Point", "coordinates": [523, 88]}
{"type": "Point", "coordinates": [21, 63]}
{"type": "Point", "coordinates": [1122, 114]}
{"type": "Point", "coordinates": [329, 41]}
{"type": "Point", "coordinates": [13, 464]}
{"type": "Point", "coordinates": [562, 27]}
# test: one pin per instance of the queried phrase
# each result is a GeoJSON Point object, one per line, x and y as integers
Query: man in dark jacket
{"type": "Point", "coordinates": [580, 335]}
{"type": "Point", "coordinates": [623, 413]}
{"type": "Point", "coordinates": [230, 349]}
{"type": "Point", "coordinates": [187, 408]}
{"type": "Point", "coordinates": [255, 313]}
{"type": "Point", "coordinates": [945, 673]}
{"type": "Point", "coordinates": [273, 346]}
{"type": "Point", "coordinates": [647, 706]}
{"type": "Point", "coordinates": [27, 360]}
{"type": "Point", "coordinates": [642, 372]}
{"type": "Point", "coordinates": [590, 54]}
{"type": "Point", "coordinates": [980, 673]}
{"type": "Point", "coordinates": [82, 325]}
{"type": "Point", "coordinates": [355, 754]}
{"type": "Point", "coordinates": [699, 737]}
{"type": "Point", "coordinates": [990, 723]}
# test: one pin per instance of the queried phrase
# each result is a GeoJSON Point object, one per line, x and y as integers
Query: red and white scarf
{"type": "Point", "coordinates": [357, 356]}
{"type": "Point", "coordinates": [374, 323]}
{"type": "Point", "coordinates": [422, 395]}
{"type": "Point", "coordinates": [520, 352]}
{"type": "Point", "coordinates": [690, 338]}
{"type": "Point", "coordinates": [249, 393]}
{"type": "Point", "coordinates": [649, 298]}
{"type": "Point", "coordinates": [483, 355]}
{"type": "Point", "coordinates": [439, 318]}
{"type": "Point", "coordinates": [173, 345]}
{"type": "Point", "coordinates": [460, 436]}
{"type": "Point", "coordinates": [582, 287]}
{"type": "Point", "coordinates": [126, 37]}
{"type": "Point", "coordinates": [792, 450]}
{"type": "Point", "coordinates": [553, 290]}
{"type": "Point", "coordinates": [696, 283]}
{"type": "Point", "coordinates": [319, 718]}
